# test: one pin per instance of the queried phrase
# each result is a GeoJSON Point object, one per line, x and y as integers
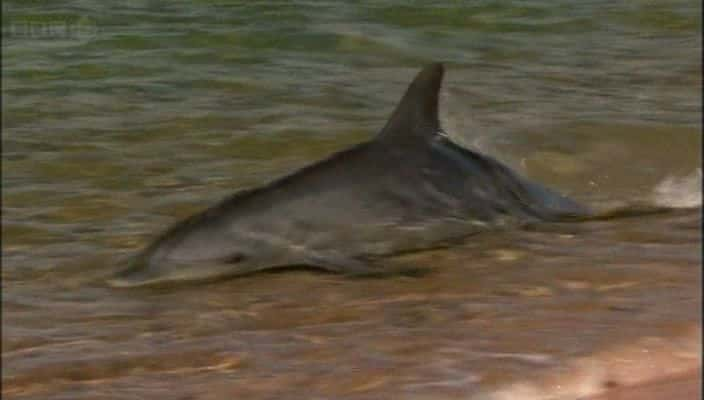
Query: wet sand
{"type": "Point", "coordinates": [667, 367]}
{"type": "Point", "coordinates": [682, 386]}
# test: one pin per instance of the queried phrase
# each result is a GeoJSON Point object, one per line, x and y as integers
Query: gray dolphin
{"type": "Point", "coordinates": [409, 188]}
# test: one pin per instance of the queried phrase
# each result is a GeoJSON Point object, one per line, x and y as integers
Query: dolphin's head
{"type": "Point", "coordinates": [195, 257]}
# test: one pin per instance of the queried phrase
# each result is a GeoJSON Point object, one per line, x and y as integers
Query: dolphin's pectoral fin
{"type": "Point", "coordinates": [389, 269]}
{"type": "Point", "coordinates": [340, 264]}
{"type": "Point", "coordinates": [366, 267]}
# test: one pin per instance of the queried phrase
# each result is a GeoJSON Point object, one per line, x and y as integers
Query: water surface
{"type": "Point", "coordinates": [120, 119]}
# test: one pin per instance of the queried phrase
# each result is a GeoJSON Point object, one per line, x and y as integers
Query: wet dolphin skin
{"type": "Point", "coordinates": [408, 188]}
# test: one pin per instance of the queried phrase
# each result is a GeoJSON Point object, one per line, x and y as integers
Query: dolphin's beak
{"type": "Point", "coordinates": [135, 274]}
{"type": "Point", "coordinates": [141, 274]}
{"type": "Point", "coordinates": [120, 283]}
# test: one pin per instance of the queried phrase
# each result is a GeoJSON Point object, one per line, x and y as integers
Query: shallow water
{"type": "Point", "coordinates": [119, 120]}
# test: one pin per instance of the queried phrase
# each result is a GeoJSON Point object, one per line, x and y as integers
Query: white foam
{"type": "Point", "coordinates": [680, 192]}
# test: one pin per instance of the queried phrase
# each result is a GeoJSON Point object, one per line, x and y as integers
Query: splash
{"type": "Point", "coordinates": [680, 192]}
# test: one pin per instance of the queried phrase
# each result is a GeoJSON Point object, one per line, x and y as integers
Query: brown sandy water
{"type": "Point", "coordinates": [585, 305]}
{"type": "Point", "coordinates": [140, 115]}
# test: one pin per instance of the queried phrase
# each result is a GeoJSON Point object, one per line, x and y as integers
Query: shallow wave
{"type": "Point", "coordinates": [680, 192]}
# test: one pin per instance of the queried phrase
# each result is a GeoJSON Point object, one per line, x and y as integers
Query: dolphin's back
{"type": "Point", "coordinates": [490, 183]}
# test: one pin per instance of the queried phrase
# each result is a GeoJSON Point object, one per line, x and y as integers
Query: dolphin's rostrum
{"type": "Point", "coordinates": [409, 188]}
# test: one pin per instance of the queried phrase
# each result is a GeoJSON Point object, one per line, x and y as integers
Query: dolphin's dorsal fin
{"type": "Point", "coordinates": [416, 116]}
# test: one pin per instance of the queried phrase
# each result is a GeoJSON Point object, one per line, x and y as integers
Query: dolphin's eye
{"type": "Point", "coordinates": [234, 258]}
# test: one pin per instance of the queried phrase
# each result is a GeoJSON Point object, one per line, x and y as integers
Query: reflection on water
{"type": "Point", "coordinates": [148, 113]}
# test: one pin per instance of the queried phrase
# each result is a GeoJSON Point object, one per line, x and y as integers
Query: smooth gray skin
{"type": "Point", "coordinates": [408, 189]}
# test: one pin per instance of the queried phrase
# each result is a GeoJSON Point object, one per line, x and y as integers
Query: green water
{"type": "Point", "coordinates": [118, 119]}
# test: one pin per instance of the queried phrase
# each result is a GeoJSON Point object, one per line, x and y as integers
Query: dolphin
{"type": "Point", "coordinates": [407, 189]}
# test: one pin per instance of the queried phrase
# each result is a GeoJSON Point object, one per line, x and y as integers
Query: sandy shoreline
{"type": "Point", "coordinates": [648, 368]}
{"type": "Point", "coordinates": [684, 386]}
